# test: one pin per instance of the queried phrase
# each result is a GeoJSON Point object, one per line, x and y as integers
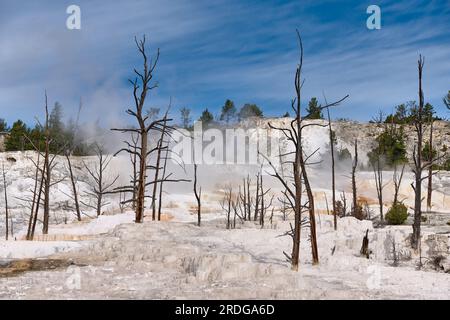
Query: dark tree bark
{"type": "Point", "coordinates": [162, 183]}
{"type": "Point", "coordinates": [378, 175]}
{"type": "Point", "coordinates": [160, 147]}
{"type": "Point", "coordinates": [294, 190]}
{"type": "Point", "coordinates": [365, 246]}
{"type": "Point", "coordinates": [430, 167]}
{"type": "Point", "coordinates": [344, 203]}
{"type": "Point", "coordinates": [258, 195]}
{"type": "Point", "coordinates": [227, 205]}
{"type": "Point", "coordinates": [198, 194]}
{"type": "Point", "coordinates": [133, 158]}
{"type": "Point", "coordinates": [333, 175]}
{"type": "Point", "coordinates": [397, 182]}
{"type": "Point", "coordinates": [418, 168]}
{"type": "Point", "coordinates": [354, 191]}
{"type": "Point", "coordinates": [68, 154]}
{"type": "Point", "coordinates": [74, 187]}
{"type": "Point", "coordinates": [35, 193]}
{"type": "Point", "coordinates": [145, 76]}
{"type": "Point", "coordinates": [47, 171]}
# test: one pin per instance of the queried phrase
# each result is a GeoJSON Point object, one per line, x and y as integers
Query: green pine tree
{"type": "Point", "coordinates": [314, 110]}
{"type": "Point", "coordinates": [248, 111]}
{"type": "Point", "coordinates": [228, 111]}
{"type": "Point", "coordinates": [206, 118]}
{"type": "Point", "coordinates": [16, 140]}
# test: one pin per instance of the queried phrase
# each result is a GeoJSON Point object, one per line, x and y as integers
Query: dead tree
{"type": "Point", "coordinates": [6, 202]}
{"type": "Point", "coordinates": [46, 173]}
{"type": "Point", "coordinates": [143, 129]}
{"type": "Point", "coordinates": [377, 166]}
{"type": "Point", "coordinates": [227, 205]}
{"type": "Point", "coordinates": [35, 195]}
{"type": "Point", "coordinates": [397, 179]}
{"type": "Point", "coordinates": [333, 175]}
{"type": "Point", "coordinates": [47, 170]}
{"type": "Point", "coordinates": [354, 191]}
{"type": "Point", "coordinates": [198, 194]}
{"type": "Point", "coordinates": [146, 125]}
{"type": "Point", "coordinates": [418, 166]}
{"type": "Point", "coordinates": [162, 182]}
{"type": "Point", "coordinates": [245, 199]}
{"type": "Point", "coordinates": [344, 203]}
{"type": "Point", "coordinates": [68, 154]}
{"type": "Point", "coordinates": [293, 189]}
{"type": "Point", "coordinates": [74, 187]}
{"type": "Point", "coordinates": [430, 167]}
{"type": "Point", "coordinates": [365, 246]}
{"type": "Point", "coordinates": [264, 205]}
{"type": "Point", "coordinates": [258, 195]}
{"type": "Point", "coordinates": [133, 159]}
{"type": "Point", "coordinates": [283, 200]}
{"type": "Point", "coordinates": [102, 184]}
{"type": "Point", "coordinates": [160, 147]}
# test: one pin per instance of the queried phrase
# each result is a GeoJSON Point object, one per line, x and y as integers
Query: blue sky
{"type": "Point", "coordinates": [217, 50]}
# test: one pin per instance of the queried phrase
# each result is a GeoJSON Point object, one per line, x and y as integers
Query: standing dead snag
{"type": "Point", "coordinates": [333, 175]}
{"type": "Point", "coordinates": [6, 202]}
{"type": "Point", "coordinates": [418, 167]}
{"type": "Point", "coordinates": [365, 246]}
{"type": "Point", "coordinates": [198, 194]}
{"type": "Point", "coordinates": [133, 158]}
{"type": "Point", "coordinates": [354, 192]}
{"type": "Point", "coordinates": [68, 154]}
{"type": "Point", "coordinates": [143, 128]}
{"type": "Point", "coordinates": [397, 179]}
{"type": "Point", "coordinates": [35, 194]}
{"type": "Point", "coordinates": [430, 167]}
{"type": "Point", "coordinates": [74, 187]}
{"type": "Point", "coordinates": [145, 125]}
{"type": "Point", "coordinates": [227, 205]}
{"type": "Point", "coordinates": [160, 147]}
{"type": "Point", "coordinates": [377, 166]}
{"type": "Point", "coordinates": [102, 185]}
{"type": "Point", "coordinates": [293, 189]}
{"type": "Point", "coordinates": [46, 173]}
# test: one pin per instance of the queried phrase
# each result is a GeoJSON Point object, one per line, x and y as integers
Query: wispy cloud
{"type": "Point", "coordinates": [214, 50]}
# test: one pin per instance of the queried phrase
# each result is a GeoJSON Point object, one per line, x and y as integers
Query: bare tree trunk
{"type": "Point", "coordinates": [226, 205]}
{"type": "Point", "coordinates": [101, 185]}
{"type": "Point", "coordinates": [142, 179]}
{"type": "Point", "coordinates": [6, 202]}
{"type": "Point", "coordinates": [294, 135]}
{"type": "Point", "coordinates": [35, 192]}
{"type": "Point", "coordinates": [312, 217]}
{"type": "Point", "coordinates": [161, 184]}
{"type": "Point", "coordinates": [378, 175]}
{"type": "Point", "coordinates": [257, 198]}
{"type": "Point", "coordinates": [430, 167]}
{"type": "Point", "coordinates": [333, 176]}
{"type": "Point", "coordinates": [38, 203]}
{"type": "Point", "coordinates": [249, 201]}
{"type": "Point", "coordinates": [157, 167]}
{"type": "Point", "coordinates": [397, 182]}
{"type": "Point", "coordinates": [365, 245]}
{"type": "Point", "coordinates": [198, 195]}
{"type": "Point", "coordinates": [74, 188]}
{"type": "Point", "coordinates": [354, 192]}
{"type": "Point", "coordinates": [415, 239]}
{"type": "Point", "coordinates": [47, 171]}
{"type": "Point", "coordinates": [133, 156]}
